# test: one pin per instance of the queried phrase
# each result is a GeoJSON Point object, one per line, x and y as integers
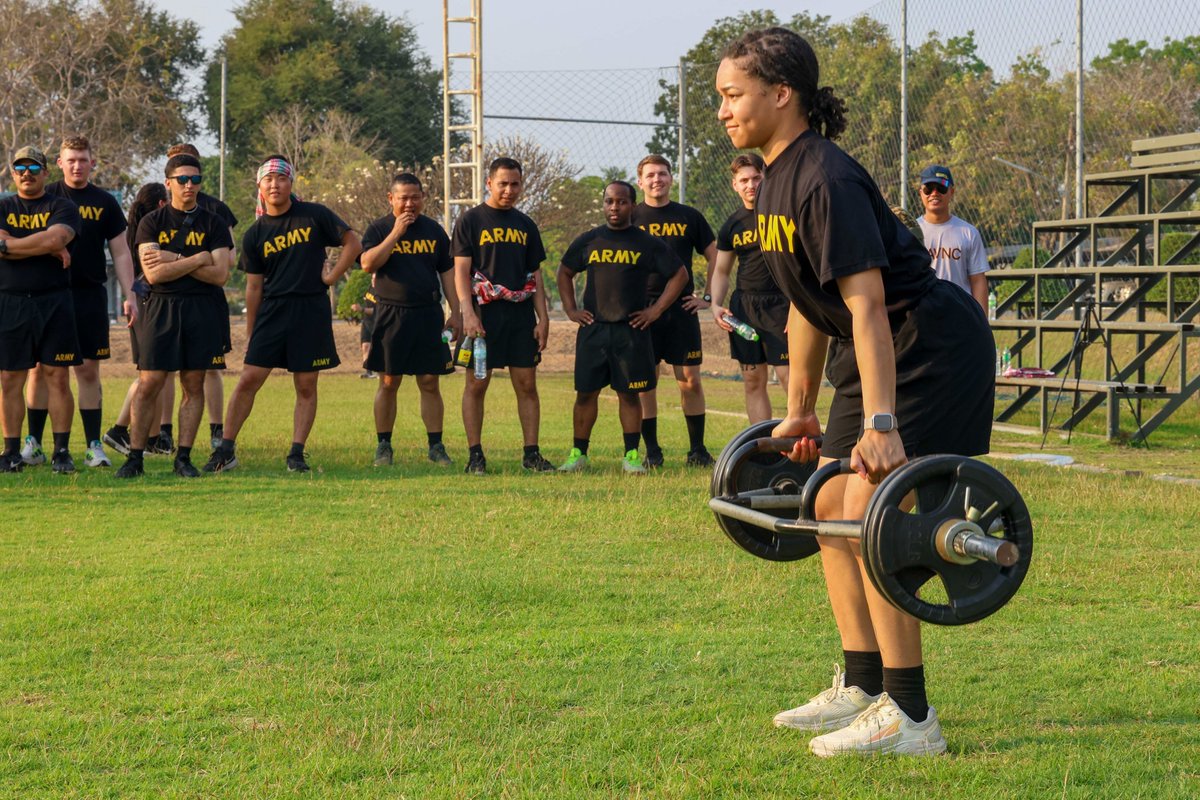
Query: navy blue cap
{"type": "Point", "coordinates": [937, 174]}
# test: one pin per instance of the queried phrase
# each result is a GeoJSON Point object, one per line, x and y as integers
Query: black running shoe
{"type": "Point", "coordinates": [653, 460]}
{"type": "Point", "coordinates": [11, 462]}
{"type": "Point", "coordinates": [132, 468]}
{"type": "Point", "coordinates": [297, 464]}
{"type": "Point", "coordinates": [536, 462]}
{"type": "Point", "coordinates": [184, 468]}
{"type": "Point", "coordinates": [383, 454]}
{"type": "Point", "coordinates": [62, 463]}
{"type": "Point", "coordinates": [221, 460]}
{"type": "Point", "coordinates": [439, 456]}
{"type": "Point", "coordinates": [118, 440]}
{"type": "Point", "coordinates": [477, 465]}
{"type": "Point", "coordinates": [700, 457]}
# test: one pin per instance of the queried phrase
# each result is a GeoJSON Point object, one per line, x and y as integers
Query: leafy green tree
{"type": "Point", "coordinates": [351, 291]}
{"type": "Point", "coordinates": [326, 55]}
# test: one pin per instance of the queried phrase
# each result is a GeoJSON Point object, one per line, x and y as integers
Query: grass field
{"type": "Point", "coordinates": [410, 632]}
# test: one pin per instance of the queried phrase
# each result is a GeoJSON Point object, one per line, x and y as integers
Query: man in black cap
{"type": "Point", "coordinates": [955, 246]}
{"type": "Point", "coordinates": [37, 315]}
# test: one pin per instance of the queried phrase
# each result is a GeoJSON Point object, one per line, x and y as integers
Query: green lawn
{"type": "Point", "coordinates": [410, 632]}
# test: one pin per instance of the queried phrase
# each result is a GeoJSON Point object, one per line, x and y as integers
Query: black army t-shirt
{"type": "Point", "coordinates": [207, 232]}
{"type": "Point", "coordinates": [618, 263]}
{"type": "Point", "coordinates": [682, 228]}
{"type": "Point", "coordinates": [410, 275]}
{"type": "Point", "coordinates": [739, 235]}
{"type": "Point", "coordinates": [102, 220]}
{"type": "Point", "coordinates": [23, 218]}
{"type": "Point", "coordinates": [821, 217]}
{"type": "Point", "coordinates": [503, 244]}
{"type": "Point", "coordinates": [289, 250]}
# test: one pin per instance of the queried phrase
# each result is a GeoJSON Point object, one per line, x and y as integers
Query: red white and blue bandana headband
{"type": "Point", "coordinates": [272, 166]}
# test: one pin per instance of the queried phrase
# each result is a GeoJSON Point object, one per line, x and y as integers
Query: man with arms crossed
{"type": "Point", "coordinates": [103, 222]}
{"type": "Point", "coordinates": [612, 347]}
{"type": "Point", "coordinates": [37, 317]}
{"type": "Point", "coordinates": [496, 243]}
{"type": "Point", "coordinates": [757, 300]}
{"type": "Point", "coordinates": [954, 245]}
{"type": "Point", "coordinates": [409, 255]}
{"type": "Point", "coordinates": [676, 334]}
{"type": "Point", "coordinates": [287, 305]}
{"type": "Point", "coordinates": [184, 252]}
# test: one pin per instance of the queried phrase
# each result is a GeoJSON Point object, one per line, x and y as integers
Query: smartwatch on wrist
{"type": "Point", "coordinates": [884, 423]}
{"type": "Point", "coordinates": [707, 297]}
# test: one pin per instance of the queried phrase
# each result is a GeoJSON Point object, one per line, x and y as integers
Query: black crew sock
{"type": "Point", "coordinates": [695, 428]}
{"type": "Point", "coordinates": [297, 450]}
{"type": "Point", "coordinates": [62, 441]}
{"type": "Point", "coordinates": [214, 428]}
{"type": "Point", "coordinates": [228, 445]}
{"type": "Point", "coordinates": [135, 454]}
{"type": "Point", "coordinates": [37, 422]}
{"type": "Point", "coordinates": [384, 436]}
{"type": "Point", "coordinates": [631, 440]}
{"type": "Point", "coordinates": [166, 428]}
{"type": "Point", "coordinates": [865, 670]}
{"type": "Point", "coordinates": [582, 445]}
{"type": "Point", "coordinates": [434, 437]}
{"type": "Point", "coordinates": [184, 453]}
{"type": "Point", "coordinates": [476, 450]}
{"type": "Point", "coordinates": [91, 424]}
{"type": "Point", "coordinates": [12, 445]}
{"type": "Point", "coordinates": [531, 449]}
{"type": "Point", "coordinates": [906, 686]}
{"type": "Point", "coordinates": [650, 433]}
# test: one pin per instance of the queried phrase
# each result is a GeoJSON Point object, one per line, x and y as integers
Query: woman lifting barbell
{"type": "Point", "coordinates": [910, 358]}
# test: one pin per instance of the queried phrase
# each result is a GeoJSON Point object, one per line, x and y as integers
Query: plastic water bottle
{"type": "Point", "coordinates": [464, 352]}
{"type": "Point", "coordinates": [480, 352]}
{"type": "Point", "coordinates": [991, 305]}
{"type": "Point", "coordinates": [999, 362]}
{"type": "Point", "coordinates": [740, 328]}
{"type": "Point", "coordinates": [1006, 361]}
{"type": "Point", "coordinates": [447, 336]}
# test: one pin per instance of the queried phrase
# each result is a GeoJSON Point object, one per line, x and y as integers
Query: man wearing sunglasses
{"type": "Point", "coordinates": [955, 246]}
{"type": "Point", "coordinates": [185, 253]}
{"type": "Point", "coordinates": [37, 315]}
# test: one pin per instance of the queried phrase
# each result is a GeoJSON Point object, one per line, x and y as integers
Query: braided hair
{"type": "Point", "coordinates": [780, 56]}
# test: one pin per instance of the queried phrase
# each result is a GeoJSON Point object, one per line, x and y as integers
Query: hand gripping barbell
{"type": "Point", "coordinates": [969, 525]}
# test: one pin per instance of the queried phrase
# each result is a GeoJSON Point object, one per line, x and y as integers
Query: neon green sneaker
{"type": "Point", "coordinates": [632, 463]}
{"type": "Point", "coordinates": [576, 462]}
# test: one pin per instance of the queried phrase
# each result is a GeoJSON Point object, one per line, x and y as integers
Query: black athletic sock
{"type": "Point", "coordinates": [183, 452]}
{"type": "Point", "coordinates": [695, 426]}
{"type": "Point", "coordinates": [434, 437]}
{"type": "Point", "coordinates": [476, 450]}
{"type": "Point", "coordinates": [228, 445]}
{"type": "Point", "coordinates": [166, 428]}
{"type": "Point", "coordinates": [62, 441]}
{"type": "Point", "coordinates": [650, 433]}
{"type": "Point", "coordinates": [135, 454]}
{"type": "Point", "coordinates": [582, 445]}
{"type": "Point", "coordinates": [384, 436]}
{"type": "Point", "coordinates": [37, 422]}
{"type": "Point", "coordinates": [91, 424]}
{"type": "Point", "coordinates": [864, 670]}
{"type": "Point", "coordinates": [214, 428]}
{"type": "Point", "coordinates": [906, 686]}
{"type": "Point", "coordinates": [631, 440]}
{"type": "Point", "coordinates": [297, 450]}
{"type": "Point", "coordinates": [12, 445]}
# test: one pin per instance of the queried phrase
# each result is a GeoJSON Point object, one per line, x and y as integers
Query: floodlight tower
{"type": "Point", "coordinates": [456, 159]}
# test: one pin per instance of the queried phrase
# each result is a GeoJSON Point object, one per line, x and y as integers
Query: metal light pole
{"type": "Point", "coordinates": [221, 188]}
{"type": "Point", "coordinates": [904, 104]}
{"type": "Point", "coordinates": [682, 131]}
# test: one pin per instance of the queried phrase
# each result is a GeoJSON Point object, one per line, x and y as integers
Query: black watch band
{"type": "Point", "coordinates": [707, 297]}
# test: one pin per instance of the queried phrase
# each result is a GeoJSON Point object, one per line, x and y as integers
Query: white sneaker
{"type": "Point", "coordinates": [834, 708]}
{"type": "Point", "coordinates": [95, 456]}
{"type": "Point", "coordinates": [883, 728]}
{"type": "Point", "coordinates": [31, 453]}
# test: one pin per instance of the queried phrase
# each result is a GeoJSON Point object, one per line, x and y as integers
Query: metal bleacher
{"type": "Point", "coordinates": [1059, 310]}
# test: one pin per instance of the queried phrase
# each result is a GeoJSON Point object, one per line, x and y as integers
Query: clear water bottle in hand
{"type": "Point", "coordinates": [742, 329]}
{"type": "Point", "coordinates": [991, 305]}
{"type": "Point", "coordinates": [480, 352]}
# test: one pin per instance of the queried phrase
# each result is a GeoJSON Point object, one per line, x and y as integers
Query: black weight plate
{"type": "Point", "coordinates": [899, 550]}
{"type": "Point", "coordinates": [759, 472]}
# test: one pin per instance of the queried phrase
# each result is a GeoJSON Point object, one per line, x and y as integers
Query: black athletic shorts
{"type": "Point", "coordinates": [676, 337]}
{"type": "Point", "coordinates": [407, 340]}
{"type": "Point", "coordinates": [38, 329]}
{"type": "Point", "coordinates": [293, 332]}
{"type": "Point", "coordinates": [614, 354]}
{"type": "Point", "coordinates": [91, 321]}
{"type": "Point", "coordinates": [140, 302]}
{"type": "Point", "coordinates": [366, 328]}
{"type": "Point", "coordinates": [509, 328]}
{"type": "Point", "coordinates": [767, 313]}
{"type": "Point", "coordinates": [182, 332]}
{"type": "Point", "coordinates": [945, 380]}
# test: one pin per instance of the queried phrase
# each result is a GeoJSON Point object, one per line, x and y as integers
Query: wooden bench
{"type": "Point", "coordinates": [1113, 391]}
{"type": "Point", "coordinates": [1160, 151]}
